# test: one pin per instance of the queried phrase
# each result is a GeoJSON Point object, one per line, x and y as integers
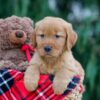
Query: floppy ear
{"type": "Point", "coordinates": [34, 35]}
{"type": "Point", "coordinates": [71, 36]}
{"type": "Point", "coordinates": [34, 39]}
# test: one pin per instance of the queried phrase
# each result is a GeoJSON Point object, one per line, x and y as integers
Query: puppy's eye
{"type": "Point", "coordinates": [42, 35]}
{"type": "Point", "coordinates": [57, 36]}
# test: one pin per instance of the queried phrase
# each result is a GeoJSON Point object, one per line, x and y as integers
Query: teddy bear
{"type": "Point", "coordinates": [15, 38]}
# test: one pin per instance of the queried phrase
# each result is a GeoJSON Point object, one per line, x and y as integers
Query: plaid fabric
{"type": "Point", "coordinates": [12, 87]}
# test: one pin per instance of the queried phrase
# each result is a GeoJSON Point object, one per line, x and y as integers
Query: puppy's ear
{"type": "Point", "coordinates": [34, 44]}
{"type": "Point", "coordinates": [71, 36]}
{"type": "Point", "coordinates": [34, 39]}
{"type": "Point", "coordinates": [38, 24]}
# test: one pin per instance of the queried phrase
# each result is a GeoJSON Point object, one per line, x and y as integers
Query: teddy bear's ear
{"type": "Point", "coordinates": [31, 22]}
{"type": "Point", "coordinates": [71, 36]}
{"type": "Point", "coordinates": [1, 21]}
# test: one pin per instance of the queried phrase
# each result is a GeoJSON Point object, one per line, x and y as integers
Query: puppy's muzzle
{"type": "Point", "coordinates": [47, 49]}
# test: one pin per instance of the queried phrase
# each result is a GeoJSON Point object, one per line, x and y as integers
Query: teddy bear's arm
{"type": "Point", "coordinates": [6, 64]}
{"type": "Point", "coordinates": [23, 65]}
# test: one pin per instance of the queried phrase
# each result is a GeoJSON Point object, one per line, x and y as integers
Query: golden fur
{"type": "Point", "coordinates": [60, 62]}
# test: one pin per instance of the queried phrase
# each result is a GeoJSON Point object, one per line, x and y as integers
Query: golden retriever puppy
{"type": "Point", "coordinates": [53, 40]}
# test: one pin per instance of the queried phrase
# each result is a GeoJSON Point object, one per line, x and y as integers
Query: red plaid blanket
{"type": "Point", "coordinates": [12, 87]}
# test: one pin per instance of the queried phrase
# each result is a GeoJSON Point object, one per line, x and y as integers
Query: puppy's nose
{"type": "Point", "coordinates": [19, 34]}
{"type": "Point", "coordinates": [47, 48]}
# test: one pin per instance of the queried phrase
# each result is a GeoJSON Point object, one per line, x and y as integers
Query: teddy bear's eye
{"type": "Point", "coordinates": [57, 36]}
{"type": "Point", "coordinates": [42, 35]}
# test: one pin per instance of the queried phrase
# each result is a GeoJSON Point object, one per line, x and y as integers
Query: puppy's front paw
{"type": "Point", "coordinates": [30, 85]}
{"type": "Point", "coordinates": [59, 87]}
{"type": "Point", "coordinates": [31, 79]}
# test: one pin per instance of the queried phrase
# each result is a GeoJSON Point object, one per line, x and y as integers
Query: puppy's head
{"type": "Point", "coordinates": [53, 36]}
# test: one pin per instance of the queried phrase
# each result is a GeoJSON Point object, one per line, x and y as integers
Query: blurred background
{"type": "Point", "coordinates": [85, 17]}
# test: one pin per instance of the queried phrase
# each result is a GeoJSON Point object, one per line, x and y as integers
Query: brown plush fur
{"type": "Point", "coordinates": [10, 53]}
{"type": "Point", "coordinates": [58, 34]}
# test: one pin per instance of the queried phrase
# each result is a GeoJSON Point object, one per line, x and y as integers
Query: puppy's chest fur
{"type": "Point", "coordinates": [64, 62]}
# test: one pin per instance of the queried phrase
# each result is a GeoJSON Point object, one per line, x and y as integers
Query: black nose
{"type": "Point", "coordinates": [19, 34]}
{"type": "Point", "coordinates": [47, 48]}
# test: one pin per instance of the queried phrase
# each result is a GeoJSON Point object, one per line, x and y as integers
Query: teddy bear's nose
{"type": "Point", "coordinates": [19, 34]}
{"type": "Point", "coordinates": [47, 48]}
